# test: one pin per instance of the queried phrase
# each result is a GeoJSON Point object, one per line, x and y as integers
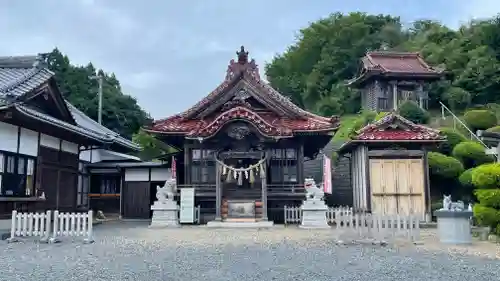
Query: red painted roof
{"type": "Point", "coordinates": [271, 122]}
{"type": "Point", "coordinates": [397, 62]}
{"type": "Point", "coordinates": [394, 127]}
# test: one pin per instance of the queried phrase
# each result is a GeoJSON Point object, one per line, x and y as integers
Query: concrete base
{"type": "Point", "coordinates": [165, 215]}
{"type": "Point", "coordinates": [314, 215]}
{"type": "Point", "coordinates": [235, 224]}
{"type": "Point", "coordinates": [454, 226]}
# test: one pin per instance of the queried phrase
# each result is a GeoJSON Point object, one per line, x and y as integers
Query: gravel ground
{"type": "Point", "coordinates": [130, 251]}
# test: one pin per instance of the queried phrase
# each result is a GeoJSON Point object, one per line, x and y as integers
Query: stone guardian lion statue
{"type": "Point", "coordinates": [313, 192]}
{"type": "Point", "coordinates": [166, 193]}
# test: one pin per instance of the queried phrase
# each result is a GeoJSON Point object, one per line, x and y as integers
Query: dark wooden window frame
{"type": "Point", "coordinates": [382, 103]}
{"type": "Point", "coordinates": [202, 166]}
{"type": "Point", "coordinates": [100, 193]}
{"type": "Point", "coordinates": [83, 188]}
{"type": "Point", "coordinates": [17, 172]}
{"type": "Point", "coordinates": [284, 167]}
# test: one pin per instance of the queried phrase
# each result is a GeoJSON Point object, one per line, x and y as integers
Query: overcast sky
{"type": "Point", "coordinates": [169, 55]}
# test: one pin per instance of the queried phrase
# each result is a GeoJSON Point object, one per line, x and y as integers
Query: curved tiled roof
{"type": "Point", "coordinates": [282, 119]}
{"type": "Point", "coordinates": [395, 63]}
{"type": "Point", "coordinates": [394, 128]}
{"type": "Point", "coordinates": [20, 75]}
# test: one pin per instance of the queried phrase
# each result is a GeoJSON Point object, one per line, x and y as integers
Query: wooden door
{"type": "Point", "coordinates": [68, 180]}
{"type": "Point", "coordinates": [48, 183]}
{"type": "Point", "coordinates": [136, 200]}
{"type": "Point", "coordinates": [397, 186]}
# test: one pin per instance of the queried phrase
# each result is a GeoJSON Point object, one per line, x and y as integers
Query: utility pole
{"type": "Point", "coordinates": [99, 93]}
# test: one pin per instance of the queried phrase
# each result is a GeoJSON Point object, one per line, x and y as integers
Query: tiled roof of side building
{"type": "Point", "coordinates": [20, 75]}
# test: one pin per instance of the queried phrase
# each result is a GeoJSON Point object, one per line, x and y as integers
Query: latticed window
{"type": "Point", "coordinates": [82, 197]}
{"type": "Point", "coordinates": [17, 173]}
{"type": "Point", "coordinates": [202, 166]}
{"type": "Point", "coordinates": [284, 167]}
{"type": "Point", "coordinates": [382, 103]}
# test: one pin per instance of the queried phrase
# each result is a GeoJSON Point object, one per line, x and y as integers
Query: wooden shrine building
{"type": "Point", "coordinates": [387, 79]}
{"type": "Point", "coordinates": [244, 144]}
{"type": "Point", "coordinates": [389, 166]}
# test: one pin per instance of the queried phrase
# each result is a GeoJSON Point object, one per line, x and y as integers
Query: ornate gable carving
{"type": "Point", "coordinates": [395, 127]}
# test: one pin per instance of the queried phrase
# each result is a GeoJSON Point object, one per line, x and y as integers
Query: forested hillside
{"type": "Point", "coordinates": [314, 69]}
{"type": "Point", "coordinates": [121, 113]}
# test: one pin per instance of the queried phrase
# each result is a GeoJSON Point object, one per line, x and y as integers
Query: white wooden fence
{"type": "Point", "coordinates": [364, 225]}
{"type": "Point", "coordinates": [39, 225]}
{"type": "Point", "coordinates": [30, 225]}
{"type": "Point", "coordinates": [294, 214]}
{"type": "Point", "coordinates": [379, 227]}
{"type": "Point", "coordinates": [72, 225]}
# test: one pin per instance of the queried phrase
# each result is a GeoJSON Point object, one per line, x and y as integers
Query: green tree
{"type": "Point", "coordinates": [121, 113]}
{"type": "Point", "coordinates": [151, 146]}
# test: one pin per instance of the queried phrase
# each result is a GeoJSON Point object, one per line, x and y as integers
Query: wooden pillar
{"type": "Point", "coordinates": [421, 95]}
{"type": "Point", "coordinates": [394, 95]}
{"type": "Point", "coordinates": [218, 196]}
{"type": "Point", "coordinates": [300, 164]}
{"type": "Point", "coordinates": [264, 196]}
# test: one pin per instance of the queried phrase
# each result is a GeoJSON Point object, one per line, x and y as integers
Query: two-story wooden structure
{"type": "Point", "coordinates": [386, 79]}
{"type": "Point", "coordinates": [244, 143]}
{"type": "Point", "coordinates": [44, 141]}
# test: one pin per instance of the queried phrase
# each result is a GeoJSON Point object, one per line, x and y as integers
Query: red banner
{"type": "Point", "coordinates": [327, 174]}
{"type": "Point", "coordinates": [174, 168]}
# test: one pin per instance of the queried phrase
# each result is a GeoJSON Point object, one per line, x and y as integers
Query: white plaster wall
{"type": "Point", "coordinates": [50, 141]}
{"type": "Point", "coordinates": [8, 137]}
{"type": "Point", "coordinates": [137, 174]}
{"type": "Point", "coordinates": [160, 174]}
{"type": "Point", "coordinates": [69, 147]}
{"type": "Point", "coordinates": [87, 155]}
{"type": "Point", "coordinates": [29, 142]}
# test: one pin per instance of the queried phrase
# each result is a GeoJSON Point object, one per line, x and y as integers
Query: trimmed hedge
{"type": "Point", "coordinates": [452, 139]}
{"type": "Point", "coordinates": [443, 166]}
{"type": "Point", "coordinates": [495, 129]}
{"type": "Point", "coordinates": [486, 176]}
{"type": "Point", "coordinates": [411, 111]}
{"type": "Point", "coordinates": [465, 179]}
{"type": "Point", "coordinates": [471, 154]}
{"type": "Point", "coordinates": [488, 197]}
{"type": "Point", "coordinates": [480, 119]}
{"type": "Point", "coordinates": [486, 216]}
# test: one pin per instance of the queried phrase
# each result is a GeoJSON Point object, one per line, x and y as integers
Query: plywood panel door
{"type": "Point", "coordinates": [397, 186]}
{"type": "Point", "coordinates": [381, 183]}
{"type": "Point", "coordinates": [417, 186]}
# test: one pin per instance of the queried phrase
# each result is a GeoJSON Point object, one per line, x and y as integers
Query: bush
{"type": "Point", "coordinates": [452, 139]}
{"type": "Point", "coordinates": [480, 119]}
{"type": "Point", "coordinates": [364, 119]}
{"type": "Point", "coordinates": [411, 111]}
{"type": "Point", "coordinates": [471, 154]}
{"type": "Point", "coordinates": [495, 129]}
{"type": "Point", "coordinates": [465, 179]}
{"type": "Point", "coordinates": [488, 197]}
{"type": "Point", "coordinates": [486, 216]}
{"type": "Point", "coordinates": [486, 176]}
{"type": "Point", "coordinates": [443, 166]}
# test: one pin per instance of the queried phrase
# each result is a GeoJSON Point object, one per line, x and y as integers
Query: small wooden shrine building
{"type": "Point", "coordinates": [389, 166]}
{"type": "Point", "coordinates": [244, 144]}
{"type": "Point", "coordinates": [387, 79]}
